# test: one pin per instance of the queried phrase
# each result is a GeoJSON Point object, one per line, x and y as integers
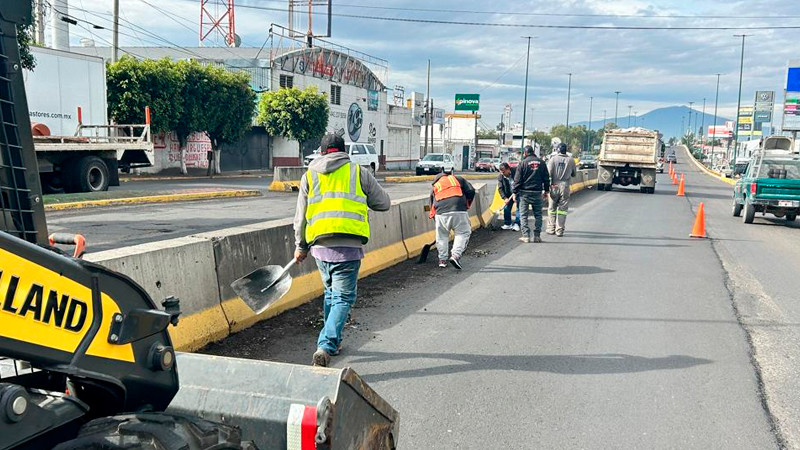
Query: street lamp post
{"type": "Point", "coordinates": [714, 125]}
{"type": "Point", "coordinates": [616, 109]}
{"type": "Point", "coordinates": [525, 101]}
{"type": "Point", "coordinates": [630, 108]}
{"type": "Point", "coordinates": [738, 104]}
{"type": "Point", "coordinates": [703, 122]}
{"type": "Point", "coordinates": [589, 132]}
{"type": "Point", "coordinates": [689, 124]}
{"type": "Point", "coordinates": [569, 94]}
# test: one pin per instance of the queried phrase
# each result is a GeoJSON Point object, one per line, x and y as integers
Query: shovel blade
{"type": "Point", "coordinates": [250, 287]}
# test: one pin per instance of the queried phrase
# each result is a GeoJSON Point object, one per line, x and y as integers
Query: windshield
{"type": "Point", "coordinates": [485, 160]}
{"type": "Point", "coordinates": [588, 157]}
{"type": "Point", "coordinates": [781, 168]}
{"type": "Point", "coordinates": [513, 159]}
{"type": "Point", "coordinates": [432, 157]}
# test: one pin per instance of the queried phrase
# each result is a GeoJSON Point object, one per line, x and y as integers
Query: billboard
{"type": "Point", "coordinates": [765, 101]}
{"type": "Point", "coordinates": [793, 77]}
{"type": "Point", "coordinates": [745, 120]}
{"type": "Point", "coordinates": [791, 112]}
{"type": "Point", "coordinates": [720, 131]}
{"type": "Point", "coordinates": [467, 102]}
{"type": "Point", "coordinates": [438, 116]}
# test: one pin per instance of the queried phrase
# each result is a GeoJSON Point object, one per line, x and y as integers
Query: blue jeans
{"type": "Point", "coordinates": [340, 283]}
{"type": "Point", "coordinates": [507, 213]}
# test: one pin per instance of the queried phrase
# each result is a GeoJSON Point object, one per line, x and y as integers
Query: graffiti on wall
{"type": "Point", "coordinates": [330, 65]}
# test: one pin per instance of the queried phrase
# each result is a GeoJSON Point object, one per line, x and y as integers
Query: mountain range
{"type": "Point", "coordinates": [666, 120]}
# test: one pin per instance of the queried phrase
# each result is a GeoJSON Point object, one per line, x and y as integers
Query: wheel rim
{"type": "Point", "coordinates": [96, 178]}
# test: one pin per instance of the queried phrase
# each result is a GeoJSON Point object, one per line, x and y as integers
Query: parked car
{"type": "Point", "coordinates": [770, 185]}
{"type": "Point", "coordinates": [497, 163]}
{"type": "Point", "coordinates": [435, 163]}
{"type": "Point", "coordinates": [361, 154]}
{"type": "Point", "coordinates": [587, 162]}
{"type": "Point", "coordinates": [672, 158]}
{"type": "Point", "coordinates": [724, 170]}
{"type": "Point", "coordinates": [485, 165]}
{"type": "Point", "coordinates": [513, 162]}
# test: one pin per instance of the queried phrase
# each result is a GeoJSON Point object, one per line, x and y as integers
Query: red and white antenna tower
{"type": "Point", "coordinates": [217, 20]}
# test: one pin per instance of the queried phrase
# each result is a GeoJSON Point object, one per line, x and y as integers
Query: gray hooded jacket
{"type": "Point", "coordinates": [561, 168]}
{"type": "Point", "coordinates": [377, 200]}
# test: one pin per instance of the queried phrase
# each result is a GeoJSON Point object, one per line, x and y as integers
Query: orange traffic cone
{"type": "Point", "coordinates": [681, 191]}
{"type": "Point", "coordinates": [674, 178]}
{"type": "Point", "coordinates": [699, 229]}
{"type": "Point", "coordinates": [671, 169]}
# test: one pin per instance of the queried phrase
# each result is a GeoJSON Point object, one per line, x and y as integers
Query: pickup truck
{"type": "Point", "coordinates": [770, 185]}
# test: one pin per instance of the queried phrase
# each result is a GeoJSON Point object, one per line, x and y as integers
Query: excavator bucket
{"type": "Point", "coordinates": [283, 406]}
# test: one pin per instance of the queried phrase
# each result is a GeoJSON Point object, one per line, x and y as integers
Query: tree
{"type": "Point", "coordinates": [196, 83]}
{"type": "Point", "coordinates": [25, 40]}
{"type": "Point", "coordinates": [231, 108]}
{"type": "Point", "coordinates": [133, 85]}
{"type": "Point", "coordinates": [540, 137]}
{"type": "Point", "coordinates": [487, 134]}
{"type": "Point", "coordinates": [294, 114]}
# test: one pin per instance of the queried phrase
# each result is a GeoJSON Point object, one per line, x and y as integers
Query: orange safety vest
{"type": "Point", "coordinates": [447, 187]}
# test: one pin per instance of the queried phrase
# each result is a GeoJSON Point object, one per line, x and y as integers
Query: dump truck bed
{"type": "Point", "coordinates": [636, 147]}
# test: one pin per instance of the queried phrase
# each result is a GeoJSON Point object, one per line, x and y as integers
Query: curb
{"type": "Point", "coordinates": [708, 171]}
{"type": "Point", "coordinates": [418, 178]}
{"type": "Point", "coordinates": [285, 186]}
{"type": "Point", "coordinates": [169, 198]}
{"type": "Point", "coordinates": [193, 177]}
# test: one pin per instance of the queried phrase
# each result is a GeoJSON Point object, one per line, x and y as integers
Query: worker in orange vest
{"type": "Point", "coordinates": [450, 200]}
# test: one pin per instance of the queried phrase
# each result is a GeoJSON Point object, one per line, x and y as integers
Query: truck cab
{"type": "Point", "coordinates": [770, 185]}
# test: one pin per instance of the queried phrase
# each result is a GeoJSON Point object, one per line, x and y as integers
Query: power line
{"type": "Point", "coordinates": [549, 14]}
{"type": "Point", "coordinates": [519, 25]}
{"type": "Point", "coordinates": [502, 75]}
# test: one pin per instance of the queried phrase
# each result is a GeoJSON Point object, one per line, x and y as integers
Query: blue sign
{"type": "Point", "coordinates": [793, 80]}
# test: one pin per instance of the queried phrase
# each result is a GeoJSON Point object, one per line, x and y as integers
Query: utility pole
{"type": "Point", "coordinates": [683, 129]}
{"type": "Point", "coordinates": [39, 13]}
{"type": "Point", "coordinates": [630, 109]}
{"type": "Point", "coordinates": [115, 35]}
{"type": "Point", "coordinates": [432, 128]}
{"type": "Point", "coordinates": [738, 106]}
{"type": "Point", "coordinates": [716, 104]}
{"type": "Point", "coordinates": [569, 93]}
{"type": "Point", "coordinates": [604, 119]}
{"type": "Point", "coordinates": [616, 109]}
{"type": "Point", "coordinates": [427, 116]}
{"type": "Point", "coordinates": [525, 100]}
{"type": "Point", "coordinates": [689, 124]}
{"type": "Point", "coordinates": [703, 123]}
{"type": "Point", "coordinates": [589, 132]}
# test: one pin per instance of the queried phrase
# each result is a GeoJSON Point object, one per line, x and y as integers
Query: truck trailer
{"type": "Point", "coordinates": [628, 157]}
{"type": "Point", "coordinates": [76, 149]}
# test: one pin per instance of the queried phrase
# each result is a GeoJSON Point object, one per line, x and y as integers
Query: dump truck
{"type": "Point", "coordinates": [77, 150]}
{"type": "Point", "coordinates": [628, 157]}
{"type": "Point", "coordinates": [86, 359]}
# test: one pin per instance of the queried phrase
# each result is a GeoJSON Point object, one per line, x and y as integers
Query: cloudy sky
{"type": "Point", "coordinates": [655, 67]}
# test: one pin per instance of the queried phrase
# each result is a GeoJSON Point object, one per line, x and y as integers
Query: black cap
{"type": "Point", "coordinates": [562, 148]}
{"type": "Point", "coordinates": [528, 151]}
{"type": "Point", "coordinates": [332, 143]}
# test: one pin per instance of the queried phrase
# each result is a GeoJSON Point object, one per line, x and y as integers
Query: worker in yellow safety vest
{"type": "Point", "coordinates": [331, 223]}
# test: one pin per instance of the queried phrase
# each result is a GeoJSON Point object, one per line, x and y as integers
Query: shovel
{"type": "Point", "coordinates": [264, 286]}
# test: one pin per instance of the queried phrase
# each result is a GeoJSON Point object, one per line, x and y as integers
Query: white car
{"type": "Point", "coordinates": [361, 154]}
{"type": "Point", "coordinates": [435, 163]}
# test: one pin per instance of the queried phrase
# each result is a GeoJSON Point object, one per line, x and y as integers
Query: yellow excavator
{"type": "Point", "coordinates": [86, 360]}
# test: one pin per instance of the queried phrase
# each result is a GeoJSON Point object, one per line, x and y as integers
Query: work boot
{"type": "Point", "coordinates": [321, 358]}
{"type": "Point", "coordinates": [525, 239]}
{"type": "Point", "coordinates": [537, 239]}
{"type": "Point", "coordinates": [442, 263]}
{"type": "Point", "coordinates": [454, 261]}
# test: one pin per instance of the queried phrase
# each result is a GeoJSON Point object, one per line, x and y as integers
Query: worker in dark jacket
{"type": "Point", "coordinates": [531, 186]}
{"type": "Point", "coordinates": [451, 198]}
{"type": "Point", "coordinates": [504, 189]}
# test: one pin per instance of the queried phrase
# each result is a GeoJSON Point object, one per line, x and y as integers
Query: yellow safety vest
{"type": "Point", "coordinates": [337, 206]}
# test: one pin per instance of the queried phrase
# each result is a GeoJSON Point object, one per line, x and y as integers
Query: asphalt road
{"type": "Point", "coordinates": [114, 227]}
{"type": "Point", "coordinates": [761, 264]}
{"type": "Point", "coordinates": [622, 334]}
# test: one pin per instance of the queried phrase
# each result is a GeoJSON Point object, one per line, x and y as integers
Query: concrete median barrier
{"type": "Point", "coordinates": [182, 267]}
{"type": "Point", "coordinates": [240, 250]}
{"type": "Point", "coordinates": [385, 247]}
{"type": "Point", "coordinates": [416, 228]}
{"type": "Point", "coordinates": [287, 179]}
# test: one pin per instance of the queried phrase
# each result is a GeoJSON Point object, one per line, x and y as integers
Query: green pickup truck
{"type": "Point", "coordinates": [770, 185]}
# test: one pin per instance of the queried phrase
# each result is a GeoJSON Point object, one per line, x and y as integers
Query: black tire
{"type": "Point", "coordinates": [372, 168]}
{"type": "Point", "coordinates": [601, 186]}
{"type": "Point", "coordinates": [156, 431]}
{"type": "Point", "coordinates": [89, 174]}
{"type": "Point", "coordinates": [651, 190]}
{"type": "Point", "coordinates": [608, 187]}
{"type": "Point", "coordinates": [791, 216]}
{"type": "Point", "coordinates": [52, 183]}
{"type": "Point", "coordinates": [419, 172]}
{"type": "Point", "coordinates": [749, 212]}
{"type": "Point", "coordinates": [737, 208]}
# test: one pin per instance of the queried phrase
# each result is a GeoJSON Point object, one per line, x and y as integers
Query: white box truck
{"type": "Point", "coordinates": [628, 157]}
{"type": "Point", "coordinates": [76, 149]}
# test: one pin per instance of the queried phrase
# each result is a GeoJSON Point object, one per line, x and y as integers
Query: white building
{"type": "Point", "coordinates": [356, 94]}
